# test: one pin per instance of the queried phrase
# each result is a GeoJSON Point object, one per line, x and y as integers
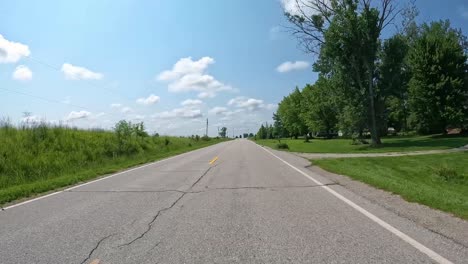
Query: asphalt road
{"type": "Point", "coordinates": [250, 205]}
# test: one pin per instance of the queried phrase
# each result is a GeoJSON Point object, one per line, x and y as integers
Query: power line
{"type": "Point", "coordinates": [53, 67]}
{"type": "Point", "coordinates": [52, 100]}
{"type": "Point", "coordinates": [43, 98]}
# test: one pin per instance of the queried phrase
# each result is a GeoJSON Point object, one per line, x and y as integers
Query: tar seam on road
{"type": "Point", "coordinates": [211, 189]}
{"type": "Point", "coordinates": [430, 253]}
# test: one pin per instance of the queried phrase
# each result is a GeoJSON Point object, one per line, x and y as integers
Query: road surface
{"type": "Point", "coordinates": [233, 202]}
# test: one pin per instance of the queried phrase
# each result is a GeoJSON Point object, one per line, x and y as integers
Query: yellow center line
{"type": "Point", "coordinates": [213, 160]}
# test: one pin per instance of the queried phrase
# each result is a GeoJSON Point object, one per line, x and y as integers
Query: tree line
{"type": "Point", "coordinates": [413, 80]}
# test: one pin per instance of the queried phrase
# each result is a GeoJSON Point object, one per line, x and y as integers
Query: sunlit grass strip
{"type": "Point", "coordinates": [439, 181]}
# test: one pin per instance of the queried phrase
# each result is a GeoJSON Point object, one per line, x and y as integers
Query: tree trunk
{"type": "Point", "coordinates": [374, 133]}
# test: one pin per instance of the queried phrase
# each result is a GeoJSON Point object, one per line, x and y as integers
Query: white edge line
{"type": "Point", "coordinates": [100, 179]}
{"type": "Point", "coordinates": [433, 255]}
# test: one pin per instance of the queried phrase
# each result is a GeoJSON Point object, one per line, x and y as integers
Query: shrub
{"type": "Point", "coordinates": [358, 140]}
{"type": "Point", "coordinates": [447, 174]}
{"type": "Point", "coordinates": [282, 146]}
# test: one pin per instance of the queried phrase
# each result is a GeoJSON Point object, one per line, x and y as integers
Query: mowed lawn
{"type": "Point", "coordinates": [439, 181]}
{"type": "Point", "coordinates": [390, 144]}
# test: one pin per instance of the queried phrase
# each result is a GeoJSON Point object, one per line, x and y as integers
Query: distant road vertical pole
{"type": "Point", "coordinates": [206, 134]}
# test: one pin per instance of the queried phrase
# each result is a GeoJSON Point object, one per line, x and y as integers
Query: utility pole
{"type": "Point", "coordinates": [206, 134]}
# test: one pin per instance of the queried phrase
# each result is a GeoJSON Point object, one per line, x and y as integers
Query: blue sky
{"type": "Point", "coordinates": [171, 64]}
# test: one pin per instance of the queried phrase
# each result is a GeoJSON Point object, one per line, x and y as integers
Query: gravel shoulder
{"type": "Point", "coordinates": [436, 221]}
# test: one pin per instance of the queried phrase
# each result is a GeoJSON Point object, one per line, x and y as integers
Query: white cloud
{"type": "Point", "coordinates": [291, 6]}
{"type": "Point", "coordinates": [126, 110]}
{"type": "Point", "coordinates": [218, 110]}
{"type": "Point", "coordinates": [271, 106]}
{"type": "Point", "coordinates": [186, 66]}
{"type": "Point", "coordinates": [123, 109]}
{"type": "Point", "coordinates": [100, 115]}
{"type": "Point", "coordinates": [139, 117]}
{"type": "Point", "coordinates": [191, 102]}
{"type": "Point", "coordinates": [22, 73]}
{"type": "Point", "coordinates": [72, 72]}
{"type": "Point", "coordinates": [152, 99]}
{"type": "Point", "coordinates": [181, 113]}
{"type": "Point", "coordinates": [251, 104]}
{"type": "Point", "coordinates": [292, 66]}
{"type": "Point", "coordinates": [247, 103]}
{"type": "Point", "coordinates": [74, 115]}
{"type": "Point", "coordinates": [32, 119]}
{"type": "Point", "coordinates": [11, 52]}
{"type": "Point", "coordinates": [301, 7]}
{"type": "Point", "coordinates": [188, 75]}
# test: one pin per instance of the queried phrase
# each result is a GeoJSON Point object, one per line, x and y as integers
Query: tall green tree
{"type": "Point", "coordinates": [223, 132]}
{"type": "Point", "coordinates": [346, 35]}
{"type": "Point", "coordinates": [278, 129]}
{"type": "Point", "coordinates": [438, 89]}
{"type": "Point", "coordinates": [289, 110]}
{"type": "Point", "coordinates": [262, 132]}
{"type": "Point", "coordinates": [392, 85]}
{"type": "Point", "coordinates": [320, 109]}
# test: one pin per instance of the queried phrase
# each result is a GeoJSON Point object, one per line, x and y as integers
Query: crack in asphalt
{"type": "Point", "coordinates": [183, 193]}
{"type": "Point", "coordinates": [268, 187]}
{"type": "Point", "coordinates": [214, 189]}
{"type": "Point", "coordinates": [96, 247]}
{"type": "Point", "coordinates": [203, 175]}
{"type": "Point", "coordinates": [126, 191]}
{"type": "Point", "coordinates": [150, 224]}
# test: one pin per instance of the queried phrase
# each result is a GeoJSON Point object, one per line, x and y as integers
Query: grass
{"type": "Point", "coordinates": [394, 144]}
{"type": "Point", "coordinates": [439, 181]}
{"type": "Point", "coordinates": [38, 159]}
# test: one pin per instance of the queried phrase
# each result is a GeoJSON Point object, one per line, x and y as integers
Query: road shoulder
{"type": "Point", "coordinates": [436, 221]}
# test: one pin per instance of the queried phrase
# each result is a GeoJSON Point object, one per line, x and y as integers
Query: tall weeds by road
{"type": "Point", "coordinates": [37, 158]}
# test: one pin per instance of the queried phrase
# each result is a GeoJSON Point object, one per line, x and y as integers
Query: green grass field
{"type": "Point", "coordinates": [439, 181]}
{"type": "Point", "coordinates": [395, 144]}
{"type": "Point", "coordinates": [40, 159]}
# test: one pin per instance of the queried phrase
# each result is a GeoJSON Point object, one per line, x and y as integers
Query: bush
{"type": "Point", "coordinates": [282, 146]}
{"type": "Point", "coordinates": [357, 140]}
{"type": "Point", "coordinates": [447, 174]}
